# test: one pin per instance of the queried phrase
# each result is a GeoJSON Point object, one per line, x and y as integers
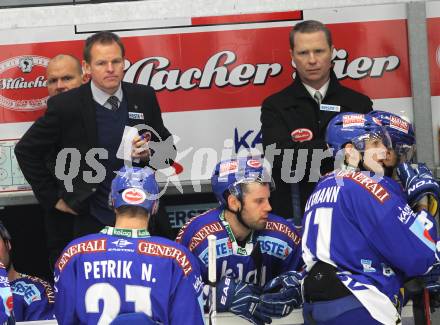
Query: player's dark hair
{"type": "Point", "coordinates": [4, 233]}
{"type": "Point", "coordinates": [310, 26]}
{"type": "Point", "coordinates": [101, 38]}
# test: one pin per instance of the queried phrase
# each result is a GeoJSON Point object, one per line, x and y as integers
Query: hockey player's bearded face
{"type": "Point", "coordinates": [375, 155]}
{"type": "Point", "coordinates": [256, 206]}
{"type": "Point", "coordinates": [4, 253]}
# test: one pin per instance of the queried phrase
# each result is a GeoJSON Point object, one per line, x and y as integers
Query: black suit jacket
{"type": "Point", "coordinates": [292, 109]}
{"type": "Point", "coordinates": [70, 122]}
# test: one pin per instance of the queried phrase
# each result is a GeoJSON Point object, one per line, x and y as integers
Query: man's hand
{"type": "Point", "coordinates": [241, 299]}
{"type": "Point", "coordinates": [281, 295]}
{"type": "Point", "coordinates": [420, 186]}
{"type": "Point", "coordinates": [61, 205]}
{"type": "Point", "coordinates": [140, 149]}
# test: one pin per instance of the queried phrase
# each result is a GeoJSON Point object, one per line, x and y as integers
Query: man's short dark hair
{"type": "Point", "coordinates": [101, 38]}
{"type": "Point", "coordinates": [4, 233]}
{"type": "Point", "coordinates": [74, 58]}
{"type": "Point", "coordinates": [310, 26]}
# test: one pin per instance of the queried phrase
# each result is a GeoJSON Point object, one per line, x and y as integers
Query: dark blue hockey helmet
{"type": "Point", "coordinates": [354, 128]}
{"type": "Point", "coordinates": [401, 133]}
{"type": "Point", "coordinates": [135, 186]}
{"type": "Point", "coordinates": [230, 175]}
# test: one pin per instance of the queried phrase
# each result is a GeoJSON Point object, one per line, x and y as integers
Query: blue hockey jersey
{"type": "Point", "coordinates": [363, 226]}
{"type": "Point", "coordinates": [275, 249]}
{"type": "Point", "coordinates": [6, 313]}
{"type": "Point", "coordinates": [120, 271]}
{"type": "Point", "coordinates": [34, 299]}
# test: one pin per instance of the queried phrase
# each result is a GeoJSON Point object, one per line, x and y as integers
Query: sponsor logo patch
{"type": "Point", "coordinates": [405, 214]}
{"type": "Point", "coordinates": [254, 163]}
{"type": "Point", "coordinates": [29, 291]}
{"type": "Point", "coordinates": [274, 246]}
{"type": "Point", "coordinates": [282, 228]}
{"type": "Point", "coordinates": [203, 233]}
{"type": "Point", "coordinates": [353, 120]}
{"type": "Point", "coordinates": [227, 168]}
{"type": "Point", "coordinates": [90, 246]}
{"type": "Point", "coordinates": [122, 243]}
{"type": "Point", "coordinates": [300, 135]}
{"type": "Point", "coordinates": [421, 227]}
{"type": "Point", "coordinates": [399, 124]}
{"type": "Point", "coordinates": [223, 248]}
{"type": "Point", "coordinates": [377, 190]}
{"type": "Point", "coordinates": [366, 264]}
{"type": "Point", "coordinates": [387, 270]}
{"type": "Point", "coordinates": [133, 196]}
{"type": "Point", "coordinates": [154, 249]}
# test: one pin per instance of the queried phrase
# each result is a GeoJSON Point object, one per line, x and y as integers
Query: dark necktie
{"type": "Point", "coordinates": [114, 102]}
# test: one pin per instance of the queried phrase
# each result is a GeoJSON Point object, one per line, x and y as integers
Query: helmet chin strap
{"type": "Point", "coordinates": [238, 214]}
{"type": "Point", "coordinates": [388, 171]}
{"type": "Point", "coordinates": [8, 267]}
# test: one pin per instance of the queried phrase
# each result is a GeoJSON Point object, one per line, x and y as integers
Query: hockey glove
{"type": "Point", "coordinates": [281, 295]}
{"type": "Point", "coordinates": [419, 182]}
{"type": "Point", "coordinates": [432, 283]}
{"type": "Point", "coordinates": [241, 299]}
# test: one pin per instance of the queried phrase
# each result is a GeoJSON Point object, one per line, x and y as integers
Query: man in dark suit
{"type": "Point", "coordinates": [296, 117]}
{"type": "Point", "coordinates": [85, 127]}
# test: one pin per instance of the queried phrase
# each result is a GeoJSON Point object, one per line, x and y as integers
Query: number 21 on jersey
{"type": "Point", "coordinates": [139, 295]}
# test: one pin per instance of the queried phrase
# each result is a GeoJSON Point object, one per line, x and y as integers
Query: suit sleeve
{"type": "Point", "coordinates": [32, 151]}
{"type": "Point", "coordinates": [187, 301]}
{"type": "Point", "coordinates": [368, 107]}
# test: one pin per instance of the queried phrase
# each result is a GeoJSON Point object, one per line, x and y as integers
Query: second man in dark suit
{"type": "Point", "coordinates": [297, 116]}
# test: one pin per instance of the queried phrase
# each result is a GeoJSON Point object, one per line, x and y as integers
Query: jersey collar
{"type": "Point", "coordinates": [131, 233]}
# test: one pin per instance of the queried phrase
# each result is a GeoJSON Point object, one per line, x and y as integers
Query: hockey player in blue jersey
{"type": "Point", "coordinates": [402, 136]}
{"type": "Point", "coordinates": [33, 298]}
{"type": "Point", "coordinates": [123, 275]}
{"type": "Point", "coordinates": [6, 303]}
{"type": "Point", "coordinates": [361, 239]}
{"type": "Point", "coordinates": [400, 157]}
{"type": "Point", "coordinates": [257, 252]}
{"type": "Point", "coordinates": [398, 163]}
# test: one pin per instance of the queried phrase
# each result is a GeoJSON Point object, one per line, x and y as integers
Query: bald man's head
{"type": "Point", "coordinates": [64, 72]}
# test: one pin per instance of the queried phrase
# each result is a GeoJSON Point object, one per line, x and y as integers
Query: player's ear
{"type": "Point", "coordinates": [233, 202]}
{"type": "Point", "coordinates": [8, 244]}
{"type": "Point", "coordinates": [352, 155]}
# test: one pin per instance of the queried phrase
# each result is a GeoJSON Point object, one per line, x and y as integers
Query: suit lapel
{"type": "Point", "coordinates": [88, 112]}
{"type": "Point", "coordinates": [132, 106]}
{"type": "Point", "coordinates": [329, 98]}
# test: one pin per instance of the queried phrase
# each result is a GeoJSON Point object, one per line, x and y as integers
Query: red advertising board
{"type": "Point", "coordinates": [217, 69]}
